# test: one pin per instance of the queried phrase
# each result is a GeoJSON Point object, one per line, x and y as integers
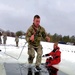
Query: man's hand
{"type": "Point", "coordinates": [32, 38]}
{"type": "Point", "coordinates": [48, 38]}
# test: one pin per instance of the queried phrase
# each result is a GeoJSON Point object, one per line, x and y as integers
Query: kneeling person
{"type": "Point", "coordinates": [55, 56]}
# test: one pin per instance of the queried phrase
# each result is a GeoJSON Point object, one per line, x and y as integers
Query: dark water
{"type": "Point", "coordinates": [21, 69]}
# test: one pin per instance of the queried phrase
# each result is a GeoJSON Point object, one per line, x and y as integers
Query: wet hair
{"type": "Point", "coordinates": [36, 16]}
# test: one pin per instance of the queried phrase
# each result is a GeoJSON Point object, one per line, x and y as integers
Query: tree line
{"type": "Point", "coordinates": [59, 38]}
{"type": "Point", "coordinates": [54, 38]}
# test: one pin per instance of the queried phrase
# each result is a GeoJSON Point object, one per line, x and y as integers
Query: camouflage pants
{"type": "Point", "coordinates": [31, 53]}
{"type": "Point", "coordinates": [16, 43]}
{"type": "Point", "coordinates": [4, 41]}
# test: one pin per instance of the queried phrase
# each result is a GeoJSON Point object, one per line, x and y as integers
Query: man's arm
{"type": "Point", "coordinates": [44, 35]}
{"type": "Point", "coordinates": [28, 35]}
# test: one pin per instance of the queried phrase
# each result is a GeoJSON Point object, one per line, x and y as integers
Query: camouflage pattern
{"type": "Point", "coordinates": [31, 53]}
{"type": "Point", "coordinates": [35, 46]}
{"type": "Point", "coordinates": [39, 33]}
{"type": "Point", "coordinates": [4, 38]}
{"type": "Point", "coordinates": [17, 40]}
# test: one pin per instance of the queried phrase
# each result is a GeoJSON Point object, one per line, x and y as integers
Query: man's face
{"type": "Point", "coordinates": [36, 22]}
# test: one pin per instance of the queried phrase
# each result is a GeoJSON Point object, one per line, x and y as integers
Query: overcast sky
{"type": "Point", "coordinates": [57, 16]}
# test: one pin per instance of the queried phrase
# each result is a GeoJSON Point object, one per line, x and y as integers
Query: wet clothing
{"type": "Point", "coordinates": [55, 57]}
{"type": "Point", "coordinates": [38, 34]}
{"type": "Point", "coordinates": [31, 53]}
{"type": "Point", "coordinates": [35, 46]}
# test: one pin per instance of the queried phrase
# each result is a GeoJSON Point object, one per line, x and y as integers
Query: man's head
{"type": "Point", "coordinates": [36, 20]}
{"type": "Point", "coordinates": [55, 45]}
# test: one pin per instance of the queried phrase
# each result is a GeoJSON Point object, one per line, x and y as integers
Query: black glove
{"type": "Point", "coordinates": [43, 56]}
{"type": "Point", "coordinates": [50, 58]}
{"type": "Point", "coordinates": [46, 54]}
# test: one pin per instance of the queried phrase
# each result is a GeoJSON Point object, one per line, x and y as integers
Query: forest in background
{"type": "Point", "coordinates": [53, 38]}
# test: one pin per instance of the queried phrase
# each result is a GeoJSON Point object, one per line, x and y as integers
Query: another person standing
{"type": "Point", "coordinates": [17, 40]}
{"type": "Point", "coordinates": [4, 38]}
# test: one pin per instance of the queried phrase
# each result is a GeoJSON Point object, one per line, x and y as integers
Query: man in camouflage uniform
{"type": "Point", "coordinates": [17, 40]}
{"type": "Point", "coordinates": [33, 37]}
{"type": "Point", "coordinates": [4, 38]}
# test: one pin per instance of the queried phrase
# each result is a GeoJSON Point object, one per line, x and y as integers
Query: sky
{"type": "Point", "coordinates": [57, 16]}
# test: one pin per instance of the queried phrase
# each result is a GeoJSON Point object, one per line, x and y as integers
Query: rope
{"type": "Point", "coordinates": [12, 56]}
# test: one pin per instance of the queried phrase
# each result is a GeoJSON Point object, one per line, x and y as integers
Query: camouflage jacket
{"type": "Point", "coordinates": [4, 37]}
{"type": "Point", "coordinates": [38, 34]}
{"type": "Point", "coordinates": [16, 39]}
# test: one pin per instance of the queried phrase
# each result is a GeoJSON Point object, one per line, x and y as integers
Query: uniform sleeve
{"type": "Point", "coordinates": [44, 34]}
{"type": "Point", "coordinates": [28, 34]}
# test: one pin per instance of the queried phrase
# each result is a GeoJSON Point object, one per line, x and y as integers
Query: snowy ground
{"type": "Point", "coordinates": [11, 54]}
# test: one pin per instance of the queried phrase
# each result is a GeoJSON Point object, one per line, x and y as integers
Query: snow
{"type": "Point", "coordinates": [11, 54]}
{"type": "Point", "coordinates": [10, 51]}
